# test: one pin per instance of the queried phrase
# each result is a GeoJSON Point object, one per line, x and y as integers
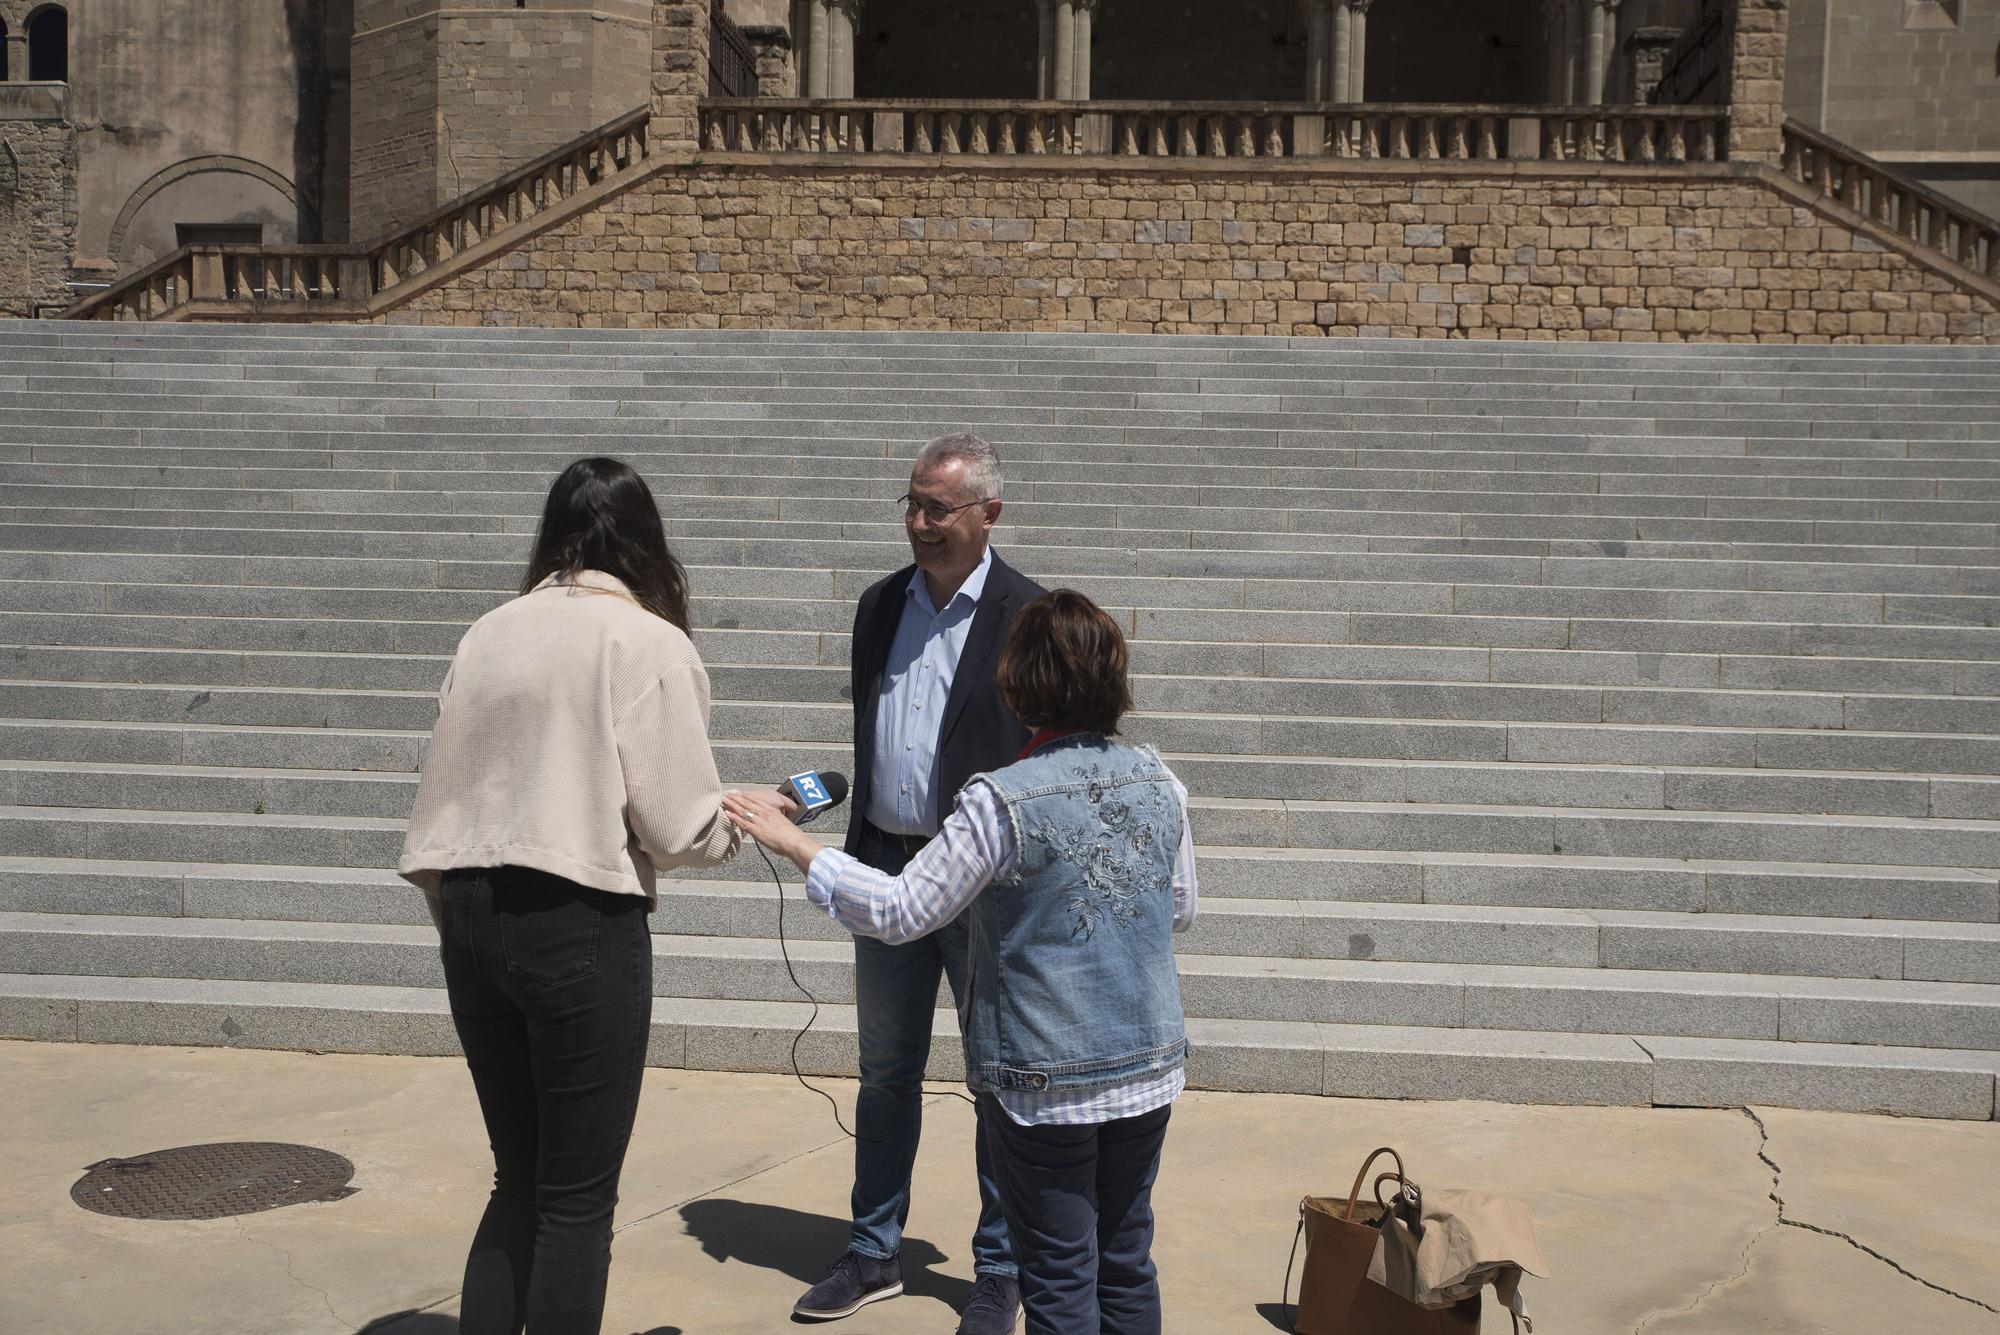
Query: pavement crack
{"type": "Point", "coordinates": [290, 1272]}
{"type": "Point", "coordinates": [1742, 1272]}
{"type": "Point", "coordinates": [1785, 1219]}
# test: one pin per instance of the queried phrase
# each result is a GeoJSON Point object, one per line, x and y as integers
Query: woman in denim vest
{"type": "Point", "coordinates": [1074, 1042]}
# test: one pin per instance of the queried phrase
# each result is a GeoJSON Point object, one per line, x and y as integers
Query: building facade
{"type": "Point", "coordinates": [131, 127]}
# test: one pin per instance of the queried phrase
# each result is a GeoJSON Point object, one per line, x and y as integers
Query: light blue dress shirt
{"type": "Point", "coordinates": [916, 683]}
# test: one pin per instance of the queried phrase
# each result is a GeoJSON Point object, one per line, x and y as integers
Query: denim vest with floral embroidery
{"type": "Point", "coordinates": [1073, 978]}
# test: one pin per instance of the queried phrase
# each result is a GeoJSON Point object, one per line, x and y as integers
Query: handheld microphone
{"type": "Point", "coordinates": [815, 792]}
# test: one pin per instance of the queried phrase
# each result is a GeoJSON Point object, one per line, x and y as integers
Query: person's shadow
{"type": "Point", "coordinates": [439, 1323]}
{"type": "Point", "coordinates": [801, 1245]}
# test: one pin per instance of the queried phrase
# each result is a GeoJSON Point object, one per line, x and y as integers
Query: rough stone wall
{"type": "Point", "coordinates": [1757, 82]}
{"type": "Point", "coordinates": [37, 214]}
{"type": "Point", "coordinates": [680, 73]}
{"type": "Point", "coordinates": [1538, 255]}
{"type": "Point", "coordinates": [394, 73]}
{"type": "Point", "coordinates": [448, 96]}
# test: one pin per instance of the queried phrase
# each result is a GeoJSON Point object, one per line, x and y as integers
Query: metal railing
{"type": "Point", "coordinates": [1471, 133]}
{"type": "Point", "coordinates": [305, 281]}
{"type": "Point", "coordinates": [732, 61]}
{"type": "Point", "coordinates": [1920, 215]}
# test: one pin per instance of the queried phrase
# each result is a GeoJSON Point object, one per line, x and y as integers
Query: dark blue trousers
{"type": "Point", "coordinates": [1079, 1206]}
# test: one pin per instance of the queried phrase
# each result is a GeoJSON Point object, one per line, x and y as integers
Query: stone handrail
{"type": "Point", "coordinates": [1423, 132]}
{"type": "Point", "coordinates": [1921, 216]}
{"type": "Point", "coordinates": [304, 281]}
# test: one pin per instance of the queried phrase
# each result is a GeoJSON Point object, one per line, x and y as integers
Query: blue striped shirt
{"type": "Point", "coordinates": [976, 847]}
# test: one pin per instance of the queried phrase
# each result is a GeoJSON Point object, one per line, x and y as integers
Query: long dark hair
{"type": "Point", "coordinates": [600, 515]}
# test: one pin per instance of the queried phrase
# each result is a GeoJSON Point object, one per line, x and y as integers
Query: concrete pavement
{"type": "Point", "coordinates": [1655, 1220]}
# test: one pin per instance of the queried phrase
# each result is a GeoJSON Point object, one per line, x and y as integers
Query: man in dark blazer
{"type": "Point", "coordinates": [927, 717]}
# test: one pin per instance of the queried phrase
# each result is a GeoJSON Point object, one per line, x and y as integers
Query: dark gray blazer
{"type": "Point", "coordinates": [977, 733]}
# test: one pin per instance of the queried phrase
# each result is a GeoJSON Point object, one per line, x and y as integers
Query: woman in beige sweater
{"type": "Point", "coordinates": [570, 763]}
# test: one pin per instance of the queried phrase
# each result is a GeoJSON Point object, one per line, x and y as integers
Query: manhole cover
{"type": "Point", "coordinates": [213, 1181]}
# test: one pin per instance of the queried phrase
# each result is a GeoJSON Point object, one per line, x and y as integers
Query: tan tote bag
{"type": "Point", "coordinates": [1336, 1297]}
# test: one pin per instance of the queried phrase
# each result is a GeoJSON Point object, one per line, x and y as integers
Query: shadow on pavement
{"type": "Point", "coordinates": [438, 1323]}
{"type": "Point", "coordinates": [801, 1245]}
{"type": "Point", "coordinates": [1278, 1314]}
{"type": "Point", "coordinates": [411, 1323]}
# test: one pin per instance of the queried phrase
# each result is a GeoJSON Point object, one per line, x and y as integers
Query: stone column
{"type": "Point", "coordinates": [818, 35]}
{"type": "Point", "coordinates": [1596, 49]}
{"type": "Point", "coordinates": [680, 73]}
{"type": "Point", "coordinates": [17, 56]}
{"type": "Point", "coordinates": [1357, 44]}
{"type": "Point", "coordinates": [802, 48]}
{"type": "Point", "coordinates": [1757, 81]}
{"type": "Point", "coordinates": [1319, 50]}
{"type": "Point", "coordinates": [1045, 49]}
{"type": "Point", "coordinates": [1573, 57]}
{"type": "Point", "coordinates": [1342, 60]}
{"type": "Point", "coordinates": [1065, 46]}
{"type": "Point", "coordinates": [1079, 75]}
{"type": "Point", "coordinates": [843, 20]}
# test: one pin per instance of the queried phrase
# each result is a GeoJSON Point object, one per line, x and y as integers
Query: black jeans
{"type": "Point", "coordinates": [1079, 1202]}
{"type": "Point", "coordinates": [551, 988]}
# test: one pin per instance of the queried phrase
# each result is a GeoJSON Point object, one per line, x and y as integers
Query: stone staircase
{"type": "Point", "coordinates": [1566, 723]}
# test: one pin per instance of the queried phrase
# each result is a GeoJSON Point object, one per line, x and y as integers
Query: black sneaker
{"type": "Point", "coordinates": [851, 1283]}
{"type": "Point", "coordinates": [994, 1308]}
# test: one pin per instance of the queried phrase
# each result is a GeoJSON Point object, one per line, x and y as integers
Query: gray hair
{"type": "Point", "coordinates": [982, 462]}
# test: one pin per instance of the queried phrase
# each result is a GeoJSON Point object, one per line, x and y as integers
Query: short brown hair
{"type": "Point", "coordinates": [1065, 664]}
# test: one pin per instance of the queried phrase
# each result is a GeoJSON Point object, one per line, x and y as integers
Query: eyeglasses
{"type": "Point", "coordinates": [932, 511]}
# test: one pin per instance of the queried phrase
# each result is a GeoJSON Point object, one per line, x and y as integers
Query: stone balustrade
{"type": "Point", "coordinates": [1473, 133]}
{"type": "Point", "coordinates": [328, 282]}
{"type": "Point", "coordinates": [1958, 234]}
{"type": "Point", "coordinates": [267, 277]}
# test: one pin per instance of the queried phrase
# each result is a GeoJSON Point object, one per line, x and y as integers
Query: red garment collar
{"type": "Point", "coordinates": [1043, 738]}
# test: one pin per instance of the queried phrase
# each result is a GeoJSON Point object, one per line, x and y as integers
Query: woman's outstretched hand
{"type": "Point", "coordinates": [765, 817]}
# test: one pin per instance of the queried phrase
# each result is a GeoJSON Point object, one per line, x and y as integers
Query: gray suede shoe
{"type": "Point", "coordinates": [993, 1309]}
{"type": "Point", "coordinates": [851, 1283]}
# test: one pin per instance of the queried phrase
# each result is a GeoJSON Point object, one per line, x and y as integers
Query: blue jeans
{"type": "Point", "coordinates": [1080, 1203]}
{"type": "Point", "coordinates": [895, 1002]}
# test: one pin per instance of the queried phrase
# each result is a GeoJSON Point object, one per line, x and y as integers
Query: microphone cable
{"type": "Point", "coordinates": [792, 972]}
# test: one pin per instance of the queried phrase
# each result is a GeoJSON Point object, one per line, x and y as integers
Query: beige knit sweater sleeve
{"type": "Point", "coordinates": [673, 795]}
